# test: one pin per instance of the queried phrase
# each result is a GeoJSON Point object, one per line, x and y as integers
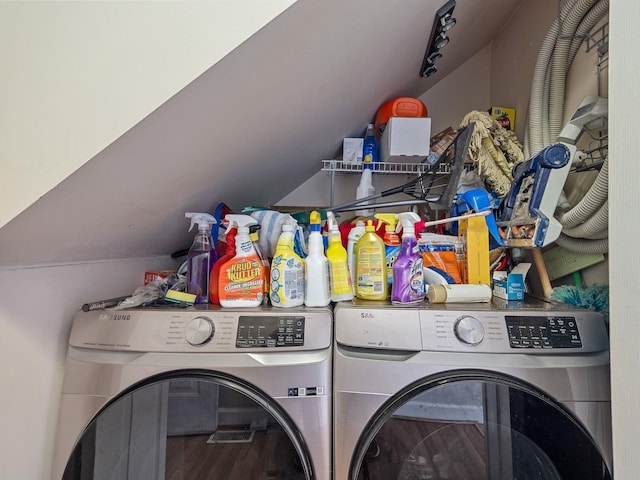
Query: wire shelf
{"type": "Point", "coordinates": [382, 167]}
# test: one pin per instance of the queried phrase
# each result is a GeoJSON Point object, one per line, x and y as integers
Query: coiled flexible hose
{"type": "Point", "coordinates": [546, 110]}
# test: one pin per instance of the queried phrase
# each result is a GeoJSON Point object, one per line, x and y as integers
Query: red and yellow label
{"type": "Point", "coordinates": [242, 279]}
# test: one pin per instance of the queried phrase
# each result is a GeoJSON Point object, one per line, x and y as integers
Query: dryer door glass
{"type": "Point", "coordinates": [187, 427]}
{"type": "Point", "coordinates": [475, 429]}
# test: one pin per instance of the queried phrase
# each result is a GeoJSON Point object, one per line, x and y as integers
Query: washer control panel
{"type": "Point", "coordinates": [206, 330]}
{"type": "Point", "coordinates": [270, 331]}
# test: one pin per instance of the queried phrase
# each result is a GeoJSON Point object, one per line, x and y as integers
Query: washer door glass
{"type": "Point", "coordinates": [191, 426]}
{"type": "Point", "coordinates": [475, 429]}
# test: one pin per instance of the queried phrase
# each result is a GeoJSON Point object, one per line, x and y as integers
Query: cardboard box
{"type": "Point", "coordinates": [505, 116]}
{"type": "Point", "coordinates": [474, 235]}
{"type": "Point", "coordinates": [352, 150]}
{"type": "Point", "coordinates": [150, 277]}
{"type": "Point", "coordinates": [510, 286]}
{"type": "Point", "coordinates": [406, 140]}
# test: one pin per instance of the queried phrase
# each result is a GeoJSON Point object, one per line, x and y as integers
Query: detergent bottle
{"type": "Point", "coordinates": [201, 256]}
{"type": "Point", "coordinates": [241, 279]}
{"type": "Point", "coordinates": [391, 239]}
{"type": "Point", "coordinates": [286, 288]}
{"type": "Point", "coordinates": [317, 293]}
{"type": "Point", "coordinates": [371, 266]}
{"type": "Point", "coordinates": [230, 238]}
{"type": "Point", "coordinates": [255, 238]}
{"type": "Point", "coordinates": [341, 287]}
{"type": "Point", "coordinates": [408, 276]}
{"type": "Point", "coordinates": [355, 233]}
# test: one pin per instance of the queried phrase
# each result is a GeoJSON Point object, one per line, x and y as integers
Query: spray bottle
{"type": "Point", "coordinates": [365, 187]}
{"type": "Point", "coordinates": [408, 276]}
{"type": "Point", "coordinates": [201, 256]}
{"type": "Point", "coordinates": [317, 292]}
{"type": "Point", "coordinates": [355, 233]}
{"type": "Point", "coordinates": [253, 235]}
{"type": "Point", "coordinates": [392, 243]}
{"type": "Point", "coordinates": [230, 238]}
{"type": "Point", "coordinates": [286, 288]}
{"type": "Point", "coordinates": [341, 287]}
{"type": "Point", "coordinates": [241, 279]}
{"type": "Point", "coordinates": [371, 266]}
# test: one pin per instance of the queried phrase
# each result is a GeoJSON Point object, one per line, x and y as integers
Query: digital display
{"type": "Point", "coordinates": [543, 332]}
{"type": "Point", "coordinates": [270, 331]}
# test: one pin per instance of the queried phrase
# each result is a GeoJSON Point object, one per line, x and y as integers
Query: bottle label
{"type": "Point", "coordinates": [242, 280]}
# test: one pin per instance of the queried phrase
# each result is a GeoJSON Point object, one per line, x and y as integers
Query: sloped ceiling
{"type": "Point", "coordinates": [247, 131]}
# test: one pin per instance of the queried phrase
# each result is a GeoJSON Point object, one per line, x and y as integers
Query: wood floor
{"type": "Point", "coordinates": [411, 449]}
{"type": "Point", "coordinates": [269, 456]}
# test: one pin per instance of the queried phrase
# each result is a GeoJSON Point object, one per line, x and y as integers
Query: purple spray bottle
{"type": "Point", "coordinates": [408, 276]}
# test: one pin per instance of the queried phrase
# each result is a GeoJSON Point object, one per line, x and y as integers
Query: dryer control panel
{"type": "Point", "coordinates": [478, 328]}
{"type": "Point", "coordinates": [543, 332]}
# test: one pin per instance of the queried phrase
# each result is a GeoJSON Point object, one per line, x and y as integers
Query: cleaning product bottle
{"type": "Point", "coordinates": [408, 276]}
{"type": "Point", "coordinates": [317, 293]}
{"type": "Point", "coordinates": [340, 279]}
{"type": "Point", "coordinates": [286, 288]}
{"type": "Point", "coordinates": [242, 278]}
{"type": "Point", "coordinates": [365, 187]}
{"type": "Point", "coordinates": [201, 256]}
{"type": "Point", "coordinates": [391, 239]}
{"type": "Point", "coordinates": [371, 266]}
{"type": "Point", "coordinates": [370, 144]}
{"type": "Point", "coordinates": [355, 233]}
{"type": "Point", "coordinates": [253, 235]}
{"type": "Point", "coordinates": [214, 286]}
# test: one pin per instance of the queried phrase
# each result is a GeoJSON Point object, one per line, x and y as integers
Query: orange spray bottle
{"type": "Point", "coordinates": [228, 255]}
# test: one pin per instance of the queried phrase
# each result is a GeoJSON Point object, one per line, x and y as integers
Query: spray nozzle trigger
{"type": "Point", "coordinates": [406, 222]}
{"type": "Point", "coordinates": [203, 220]}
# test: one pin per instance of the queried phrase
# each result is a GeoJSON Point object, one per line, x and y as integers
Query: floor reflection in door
{"type": "Point", "coordinates": [270, 455]}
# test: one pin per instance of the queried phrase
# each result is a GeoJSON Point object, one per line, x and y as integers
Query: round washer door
{"type": "Point", "coordinates": [475, 426]}
{"type": "Point", "coordinates": [187, 426]}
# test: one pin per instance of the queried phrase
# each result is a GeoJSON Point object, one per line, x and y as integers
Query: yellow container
{"type": "Point", "coordinates": [371, 266]}
{"type": "Point", "coordinates": [474, 234]}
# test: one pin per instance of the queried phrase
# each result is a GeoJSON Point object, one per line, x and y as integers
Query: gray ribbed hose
{"type": "Point", "coordinates": [546, 111]}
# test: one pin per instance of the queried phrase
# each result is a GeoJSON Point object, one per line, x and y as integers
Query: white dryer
{"type": "Point", "coordinates": [495, 392]}
{"type": "Point", "coordinates": [197, 393]}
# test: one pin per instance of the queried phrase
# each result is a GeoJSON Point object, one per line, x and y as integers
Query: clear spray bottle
{"type": "Point", "coordinates": [201, 256]}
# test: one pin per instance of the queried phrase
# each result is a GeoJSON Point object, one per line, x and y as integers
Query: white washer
{"type": "Point", "coordinates": [197, 393]}
{"type": "Point", "coordinates": [495, 391]}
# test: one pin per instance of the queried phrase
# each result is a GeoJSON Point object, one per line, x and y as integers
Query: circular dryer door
{"type": "Point", "coordinates": [190, 426]}
{"type": "Point", "coordinates": [475, 427]}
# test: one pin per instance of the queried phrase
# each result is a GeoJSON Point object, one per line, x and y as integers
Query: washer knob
{"type": "Point", "coordinates": [469, 330]}
{"type": "Point", "coordinates": [199, 331]}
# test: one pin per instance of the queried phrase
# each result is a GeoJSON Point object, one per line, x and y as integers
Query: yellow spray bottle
{"type": "Point", "coordinates": [371, 266]}
{"type": "Point", "coordinates": [392, 242]}
{"type": "Point", "coordinates": [341, 289]}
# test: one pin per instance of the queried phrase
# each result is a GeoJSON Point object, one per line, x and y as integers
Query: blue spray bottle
{"type": "Point", "coordinates": [201, 256]}
{"type": "Point", "coordinates": [408, 276]}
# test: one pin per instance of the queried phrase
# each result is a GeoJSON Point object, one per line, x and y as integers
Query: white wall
{"type": "Point", "coordinates": [36, 308]}
{"type": "Point", "coordinates": [80, 74]}
{"type": "Point", "coordinates": [447, 103]}
{"type": "Point", "coordinates": [624, 225]}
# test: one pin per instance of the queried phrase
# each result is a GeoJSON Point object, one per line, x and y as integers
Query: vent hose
{"type": "Point", "coordinates": [546, 111]}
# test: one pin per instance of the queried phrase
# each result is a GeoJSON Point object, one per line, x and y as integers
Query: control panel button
{"type": "Point", "coordinates": [199, 331]}
{"type": "Point", "coordinates": [469, 330]}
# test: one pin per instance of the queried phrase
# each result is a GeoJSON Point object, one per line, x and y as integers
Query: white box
{"type": "Point", "coordinates": [352, 150]}
{"type": "Point", "coordinates": [406, 140]}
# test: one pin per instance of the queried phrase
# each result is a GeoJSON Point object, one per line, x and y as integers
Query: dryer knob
{"type": "Point", "coordinates": [469, 330]}
{"type": "Point", "coordinates": [199, 331]}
